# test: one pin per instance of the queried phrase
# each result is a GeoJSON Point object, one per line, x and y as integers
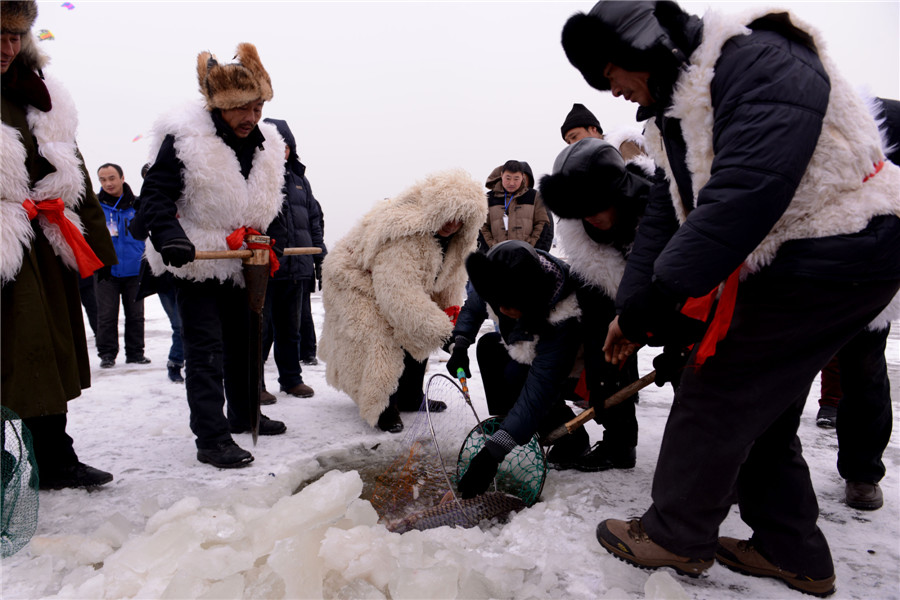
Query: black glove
{"type": "Point", "coordinates": [670, 364]}
{"type": "Point", "coordinates": [459, 358]}
{"type": "Point", "coordinates": [104, 273]}
{"type": "Point", "coordinates": [651, 317]}
{"type": "Point", "coordinates": [177, 252]}
{"type": "Point", "coordinates": [481, 471]}
{"type": "Point", "coordinates": [318, 268]}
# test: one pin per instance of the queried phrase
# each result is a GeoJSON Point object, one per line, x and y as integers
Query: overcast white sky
{"type": "Point", "coordinates": [379, 94]}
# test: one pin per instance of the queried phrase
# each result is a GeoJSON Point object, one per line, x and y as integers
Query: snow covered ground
{"type": "Point", "coordinates": [170, 527]}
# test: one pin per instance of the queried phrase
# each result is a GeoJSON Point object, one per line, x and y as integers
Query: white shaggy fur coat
{"type": "Point", "coordinates": [55, 133]}
{"type": "Point", "coordinates": [216, 198]}
{"type": "Point", "coordinates": [385, 286]}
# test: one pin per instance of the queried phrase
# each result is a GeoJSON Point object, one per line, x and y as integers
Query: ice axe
{"type": "Point", "coordinates": [255, 262]}
{"type": "Point", "coordinates": [585, 416]}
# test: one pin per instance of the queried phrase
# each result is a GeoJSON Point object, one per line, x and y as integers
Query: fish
{"type": "Point", "coordinates": [456, 512]}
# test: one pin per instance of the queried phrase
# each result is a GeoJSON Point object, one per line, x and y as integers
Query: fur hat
{"type": "Point", "coordinates": [579, 116]}
{"type": "Point", "coordinates": [17, 17]}
{"type": "Point", "coordinates": [511, 275]}
{"type": "Point", "coordinates": [236, 84]}
{"type": "Point", "coordinates": [588, 177]}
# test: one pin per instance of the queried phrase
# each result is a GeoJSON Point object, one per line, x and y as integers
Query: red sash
{"type": "Point", "coordinates": [236, 239]}
{"type": "Point", "coordinates": [53, 210]}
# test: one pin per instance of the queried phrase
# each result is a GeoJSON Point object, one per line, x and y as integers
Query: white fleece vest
{"type": "Point", "coordinates": [831, 198]}
{"type": "Point", "coordinates": [216, 198]}
{"type": "Point", "coordinates": [54, 132]}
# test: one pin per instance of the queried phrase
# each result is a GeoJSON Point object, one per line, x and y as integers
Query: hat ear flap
{"type": "Point", "coordinates": [248, 56]}
{"type": "Point", "coordinates": [582, 41]}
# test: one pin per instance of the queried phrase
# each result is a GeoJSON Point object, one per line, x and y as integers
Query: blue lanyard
{"type": "Point", "coordinates": [507, 198]}
{"type": "Point", "coordinates": [116, 206]}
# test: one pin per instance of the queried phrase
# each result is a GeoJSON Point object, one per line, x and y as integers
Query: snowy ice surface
{"type": "Point", "coordinates": [171, 527]}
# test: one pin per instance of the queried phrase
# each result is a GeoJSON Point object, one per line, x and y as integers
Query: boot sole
{"type": "Point", "coordinates": [812, 588]}
{"type": "Point", "coordinates": [236, 465]}
{"type": "Point", "coordinates": [696, 568]}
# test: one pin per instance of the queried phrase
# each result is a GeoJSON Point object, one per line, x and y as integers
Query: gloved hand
{"type": "Point", "coordinates": [104, 273]}
{"type": "Point", "coordinates": [177, 252]}
{"type": "Point", "coordinates": [651, 317]}
{"type": "Point", "coordinates": [459, 357]}
{"type": "Point", "coordinates": [670, 364]}
{"type": "Point", "coordinates": [481, 471]}
{"type": "Point", "coordinates": [318, 268]}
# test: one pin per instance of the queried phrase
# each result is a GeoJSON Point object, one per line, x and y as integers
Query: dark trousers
{"type": "Point", "coordinates": [169, 304]}
{"type": "Point", "coordinates": [110, 292]}
{"type": "Point", "coordinates": [408, 396]}
{"type": "Point", "coordinates": [215, 322]}
{"type": "Point", "coordinates": [308, 343]}
{"type": "Point", "coordinates": [53, 448]}
{"type": "Point", "coordinates": [864, 412]}
{"type": "Point", "coordinates": [503, 380]}
{"type": "Point", "coordinates": [282, 327]}
{"type": "Point", "coordinates": [87, 288]}
{"type": "Point", "coordinates": [734, 421]}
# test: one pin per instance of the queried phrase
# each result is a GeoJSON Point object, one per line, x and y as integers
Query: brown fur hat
{"type": "Point", "coordinates": [17, 17]}
{"type": "Point", "coordinates": [236, 84]}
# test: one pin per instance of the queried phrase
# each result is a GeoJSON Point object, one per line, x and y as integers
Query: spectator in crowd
{"type": "Point", "coordinates": [778, 188]}
{"type": "Point", "coordinates": [385, 289]}
{"type": "Point", "coordinates": [217, 176]}
{"type": "Point", "coordinates": [308, 342]}
{"type": "Point", "coordinates": [515, 211]}
{"type": "Point", "coordinates": [580, 123]}
{"type": "Point", "coordinates": [46, 202]}
{"type": "Point", "coordinates": [119, 284]}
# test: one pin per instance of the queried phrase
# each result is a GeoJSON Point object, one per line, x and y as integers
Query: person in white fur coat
{"type": "Point", "coordinates": [386, 286]}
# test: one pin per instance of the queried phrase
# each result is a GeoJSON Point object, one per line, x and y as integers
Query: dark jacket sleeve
{"type": "Point", "coordinates": [316, 224]}
{"type": "Point", "coordinates": [472, 314]}
{"type": "Point", "coordinates": [556, 350]}
{"type": "Point", "coordinates": [163, 186]}
{"type": "Point", "coordinates": [769, 96]}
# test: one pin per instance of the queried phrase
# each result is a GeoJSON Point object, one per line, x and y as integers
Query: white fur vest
{"type": "Point", "coordinates": [54, 132]}
{"type": "Point", "coordinates": [216, 198]}
{"type": "Point", "coordinates": [831, 198]}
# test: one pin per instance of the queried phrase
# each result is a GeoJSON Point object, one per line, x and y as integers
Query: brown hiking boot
{"type": "Point", "coordinates": [740, 556]}
{"type": "Point", "coordinates": [863, 496]}
{"type": "Point", "coordinates": [301, 390]}
{"type": "Point", "coordinates": [627, 541]}
{"type": "Point", "coordinates": [267, 398]}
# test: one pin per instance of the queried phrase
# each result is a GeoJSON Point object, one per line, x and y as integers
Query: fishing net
{"type": "Point", "coordinates": [430, 461]}
{"type": "Point", "coordinates": [19, 478]}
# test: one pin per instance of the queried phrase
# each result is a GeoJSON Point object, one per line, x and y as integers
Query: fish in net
{"type": "Point", "coordinates": [19, 479]}
{"type": "Point", "coordinates": [418, 489]}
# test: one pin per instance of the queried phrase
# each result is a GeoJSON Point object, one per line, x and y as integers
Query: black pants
{"type": "Point", "coordinates": [408, 396]}
{"type": "Point", "coordinates": [87, 288]}
{"type": "Point", "coordinates": [282, 327]}
{"type": "Point", "coordinates": [110, 292]}
{"type": "Point", "coordinates": [503, 380]}
{"type": "Point", "coordinates": [733, 424]}
{"type": "Point", "coordinates": [308, 344]}
{"type": "Point", "coordinates": [864, 412]}
{"type": "Point", "coordinates": [53, 447]}
{"type": "Point", "coordinates": [215, 323]}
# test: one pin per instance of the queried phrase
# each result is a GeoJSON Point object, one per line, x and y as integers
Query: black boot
{"type": "Point", "coordinates": [78, 475]}
{"type": "Point", "coordinates": [390, 420]}
{"type": "Point", "coordinates": [174, 372]}
{"type": "Point", "coordinates": [568, 450]}
{"type": "Point", "coordinates": [604, 456]}
{"type": "Point", "coordinates": [225, 455]}
{"type": "Point", "coordinates": [267, 426]}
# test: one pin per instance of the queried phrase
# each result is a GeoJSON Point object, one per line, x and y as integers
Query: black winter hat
{"type": "Point", "coordinates": [588, 177]}
{"type": "Point", "coordinates": [511, 275]}
{"type": "Point", "coordinates": [579, 116]}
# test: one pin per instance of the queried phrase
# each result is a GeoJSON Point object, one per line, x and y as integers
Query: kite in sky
{"type": "Point", "coordinates": [44, 34]}
{"type": "Point", "coordinates": [68, 5]}
{"type": "Point", "coordinates": [137, 137]}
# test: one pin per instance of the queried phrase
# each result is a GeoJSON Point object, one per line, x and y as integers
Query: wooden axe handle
{"type": "Point", "coordinates": [585, 416]}
{"type": "Point", "coordinates": [217, 254]}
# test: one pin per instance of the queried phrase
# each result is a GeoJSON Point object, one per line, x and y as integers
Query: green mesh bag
{"type": "Point", "coordinates": [19, 491]}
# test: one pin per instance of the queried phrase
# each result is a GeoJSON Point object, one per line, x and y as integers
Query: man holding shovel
{"type": "Point", "coordinates": [216, 177]}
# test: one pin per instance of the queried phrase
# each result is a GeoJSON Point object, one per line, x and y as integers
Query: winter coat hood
{"type": "Point", "coordinates": [293, 160]}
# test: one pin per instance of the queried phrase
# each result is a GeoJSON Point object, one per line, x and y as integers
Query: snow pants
{"type": "Point", "coordinates": [732, 430]}
{"type": "Point", "coordinates": [215, 323]}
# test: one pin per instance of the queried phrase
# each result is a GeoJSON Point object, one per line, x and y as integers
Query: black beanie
{"type": "Point", "coordinates": [579, 116]}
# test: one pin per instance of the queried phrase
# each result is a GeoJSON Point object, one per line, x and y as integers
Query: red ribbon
{"type": "Point", "coordinates": [699, 308]}
{"type": "Point", "coordinates": [54, 211]}
{"type": "Point", "coordinates": [453, 313]}
{"type": "Point", "coordinates": [237, 238]}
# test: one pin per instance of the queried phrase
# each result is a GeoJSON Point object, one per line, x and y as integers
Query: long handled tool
{"type": "Point", "coordinates": [255, 264]}
{"type": "Point", "coordinates": [626, 392]}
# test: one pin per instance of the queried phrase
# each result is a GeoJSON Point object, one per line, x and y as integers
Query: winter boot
{"type": "Point", "coordinates": [107, 362]}
{"type": "Point", "coordinates": [267, 426]}
{"type": "Point", "coordinates": [604, 456]}
{"type": "Point", "coordinates": [390, 420]}
{"type": "Point", "coordinates": [627, 541]}
{"type": "Point", "coordinates": [78, 475]}
{"type": "Point", "coordinates": [740, 556]}
{"type": "Point", "coordinates": [863, 496]}
{"type": "Point", "coordinates": [826, 418]}
{"type": "Point", "coordinates": [568, 450]}
{"type": "Point", "coordinates": [225, 455]}
{"type": "Point", "coordinates": [301, 390]}
{"type": "Point", "coordinates": [138, 360]}
{"type": "Point", "coordinates": [267, 398]}
{"type": "Point", "coordinates": [174, 372]}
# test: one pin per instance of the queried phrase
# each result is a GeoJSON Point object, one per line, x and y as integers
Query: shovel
{"type": "Point", "coordinates": [256, 276]}
{"type": "Point", "coordinates": [585, 416]}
